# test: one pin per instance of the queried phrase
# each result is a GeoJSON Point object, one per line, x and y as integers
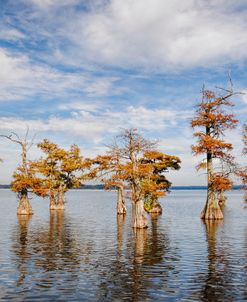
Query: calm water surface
{"type": "Point", "coordinates": [87, 254]}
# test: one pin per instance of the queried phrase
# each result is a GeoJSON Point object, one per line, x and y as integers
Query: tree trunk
{"type": "Point", "coordinates": [222, 199]}
{"type": "Point", "coordinates": [24, 206]}
{"type": "Point", "coordinates": [156, 208]}
{"type": "Point", "coordinates": [212, 209]}
{"type": "Point", "coordinates": [245, 197]}
{"type": "Point", "coordinates": [139, 219]}
{"type": "Point", "coordinates": [57, 200]}
{"type": "Point", "coordinates": [121, 208]}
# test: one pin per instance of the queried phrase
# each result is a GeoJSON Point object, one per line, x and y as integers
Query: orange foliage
{"type": "Point", "coordinates": [59, 169]}
{"type": "Point", "coordinates": [215, 121]}
{"type": "Point", "coordinates": [23, 179]}
{"type": "Point", "coordinates": [135, 163]}
{"type": "Point", "coordinates": [221, 182]}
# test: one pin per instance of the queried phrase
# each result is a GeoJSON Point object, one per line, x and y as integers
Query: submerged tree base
{"type": "Point", "coordinates": [57, 206]}
{"type": "Point", "coordinates": [156, 209]}
{"type": "Point", "coordinates": [139, 219]}
{"type": "Point", "coordinates": [121, 208]}
{"type": "Point", "coordinates": [222, 203]}
{"type": "Point", "coordinates": [122, 211]}
{"type": "Point", "coordinates": [57, 201]}
{"type": "Point", "coordinates": [24, 207]}
{"type": "Point", "coordinates": [152, 207]}
{"type": "Point", "coordinates": [222, 200]}
{"type": "Point", "coordinates": [212, 213]}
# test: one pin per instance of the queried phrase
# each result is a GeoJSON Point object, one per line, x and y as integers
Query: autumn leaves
{"type": "Point", "coordinates": [135, 164]}
{"type": "Point", "coordinates": [132, 163]}
{"type": "Point", "coordinates": [213, 121]}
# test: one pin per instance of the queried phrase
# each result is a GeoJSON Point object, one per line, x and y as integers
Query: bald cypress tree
{"type": "Point", "coordinates": [212, 121]}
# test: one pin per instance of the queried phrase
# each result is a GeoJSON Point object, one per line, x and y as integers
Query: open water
{"type": "Point", "coordinates": [88, 254]}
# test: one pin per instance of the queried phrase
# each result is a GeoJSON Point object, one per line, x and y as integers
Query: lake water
{"type": "Point", "coordinates": [87, 254]}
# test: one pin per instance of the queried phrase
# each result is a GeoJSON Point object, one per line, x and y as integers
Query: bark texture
{"type": "Point", "coordinates": [24, 206]}
{"type": "Point", "coordinates": [121, 208]}
{"type": "Point", "coordinates": [156, 209]}
{"type": "Point", "coordinates": [139, 219]}
{"type": "Point", "coordinates": [212, 210]}
{"type": "Point", "coordinates": [57, 200]}
{"type": "Point", "coordinates": [222, 199]}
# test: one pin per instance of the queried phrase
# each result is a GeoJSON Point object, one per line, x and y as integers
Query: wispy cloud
{"type": "Point", "coordinates": [22, 79]}
{"type": "Point", "coordinates": [11, 34]}
{"type": "Point", "coordinates": [80, 70]}
{"type": "Point", "coordinates": [152, 34]}
{"type": "Point", "coordinates": [88, 123]}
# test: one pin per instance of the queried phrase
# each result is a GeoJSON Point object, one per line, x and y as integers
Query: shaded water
{"type": "Point", "coordinates": [87, 254]}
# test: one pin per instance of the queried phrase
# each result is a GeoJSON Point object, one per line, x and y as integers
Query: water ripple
{"type": "Point", "coordinates": [87, 254]}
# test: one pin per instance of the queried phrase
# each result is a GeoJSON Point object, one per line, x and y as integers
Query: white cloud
{"type": "Point", "coordinates": [137, 35]}
{"type": "Point", "coordinates": [243, 96]}
{"type": "Point", "coordinates": [11, 34]}
{"type": "Point", "coordinates": [93, 106]}
{"type": "Point", "coordinates": [89, 124]}
{"type": "Point", "coordinates": [160, 35]}
{"type": "Point", "coordinates": [47, 4]}
{"type": "Point", "coordinates": [20, 78]}
{"type": "Point", "coordinates": [95, 129]}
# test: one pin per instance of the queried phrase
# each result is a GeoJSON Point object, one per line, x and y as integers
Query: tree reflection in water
{"type": "Point", "coordinates": [46, 258]}
{"type": "Point", "coordinates": [21, 248]}
{"type": "Point", "coordinates": [57, 246]}
{"type": "Point", "coordinates": [145, 253]}
{"type": "Point", "coordinates": [218, 284]}
{"type": "Point", "coordinates": [245, 267]}
{"type": "Point", "coordinates": [120, 225]}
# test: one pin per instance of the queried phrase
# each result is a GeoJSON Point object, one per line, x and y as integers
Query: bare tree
{"type": "Point", "coordinates": [23, 176]}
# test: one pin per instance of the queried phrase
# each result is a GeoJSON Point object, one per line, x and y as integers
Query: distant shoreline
{"type": "Point", "coordinates": [101, 187]}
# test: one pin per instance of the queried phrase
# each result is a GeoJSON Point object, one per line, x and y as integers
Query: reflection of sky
{"type": "Point", "coordinates": [78, 71]}
{"type": "Point", "coordinates": [89, 254]}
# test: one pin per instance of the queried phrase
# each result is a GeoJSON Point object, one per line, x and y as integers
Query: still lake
{"type": "Point", "coordinates": [87, 254]}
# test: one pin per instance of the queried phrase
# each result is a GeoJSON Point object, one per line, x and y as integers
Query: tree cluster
{"type": "Point", "coordinates": [132, 162]}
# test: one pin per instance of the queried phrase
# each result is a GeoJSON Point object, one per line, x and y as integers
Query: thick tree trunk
{"type": "Point", "coordinates": [57, 200]}
{"type": "Point", "coordinates": [121, 208]}
{"type": "Point", "coordinates": [139, 219]}
{"type": "Point", "coordinates": [24, 206]}
{"type": "Point", "coordinates": [156, 208]}
{"type": "Point", "coordinates": [212, 209]}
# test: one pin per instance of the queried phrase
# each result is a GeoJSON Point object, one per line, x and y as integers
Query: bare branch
{"type": "Point", "coordinates": [16, 135]}
{"type": "Point", "coordinates": [32, 141]}
{"type": "Point", "coordinates": [9, 137]}
{"type": "Point", "coordinates": [26, 135]}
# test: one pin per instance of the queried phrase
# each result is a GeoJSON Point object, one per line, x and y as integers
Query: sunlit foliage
{"type": "Point", "coordinates": [58, 171]}
{"type": "Point", "coordinates": [213, 121]}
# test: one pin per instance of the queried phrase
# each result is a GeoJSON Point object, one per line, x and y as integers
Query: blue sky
{"type": "Point", "coordinates": [78, 71]}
